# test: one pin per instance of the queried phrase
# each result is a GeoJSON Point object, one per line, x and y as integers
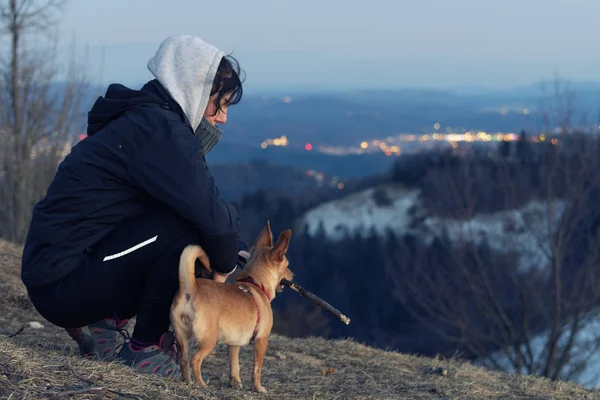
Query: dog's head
{"type": "Point", "coordinates": [271, 258]}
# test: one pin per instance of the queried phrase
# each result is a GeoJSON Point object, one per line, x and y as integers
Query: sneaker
{"type": "Point", "coordinates": [161, 359]}
{"type": "Point", "coordinates": [98, 340]}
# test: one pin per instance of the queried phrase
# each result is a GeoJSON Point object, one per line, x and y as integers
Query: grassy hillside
{"type": "Point", "coordinates": [42, 364]}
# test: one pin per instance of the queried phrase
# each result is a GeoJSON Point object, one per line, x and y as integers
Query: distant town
{"type": "Point", "coordinates": [408, 142]}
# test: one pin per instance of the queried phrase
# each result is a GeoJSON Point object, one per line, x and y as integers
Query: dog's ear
{"type": "Point", "coordinates": [264, 239]}
{"type": "Point", "coordinates": [278, 252]}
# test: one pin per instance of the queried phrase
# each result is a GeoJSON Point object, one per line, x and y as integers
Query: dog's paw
{"type": "Point", "coordinates": [200, 380]}
{"type": "Point", "coordinates": [236, 383]}
{"type": "Point", "coordinates": [260, 389]}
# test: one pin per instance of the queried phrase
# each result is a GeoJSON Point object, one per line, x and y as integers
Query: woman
{"type": "Point", "coordinates": [104, 243]}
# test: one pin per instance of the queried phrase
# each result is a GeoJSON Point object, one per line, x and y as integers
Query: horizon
{"type": "Point", "coordinates": [460, 90]}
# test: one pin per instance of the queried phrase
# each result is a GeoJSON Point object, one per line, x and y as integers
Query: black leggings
{"type": "Point", "coordinates": [132, 271]}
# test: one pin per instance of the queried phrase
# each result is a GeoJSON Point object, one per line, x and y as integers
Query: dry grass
{"type": "Point", "coordinates": [43, 364]}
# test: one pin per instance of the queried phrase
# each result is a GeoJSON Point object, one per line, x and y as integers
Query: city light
{"type": "Point", "coordinates": [280, 141]}
{"type": "Point", "coordinates": [406, 142]}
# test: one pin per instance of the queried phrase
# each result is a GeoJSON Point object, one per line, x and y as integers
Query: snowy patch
{"type": "Point", "coordinates": [359, 213]}
{"type": "Point", "coordinates": [525, 230]}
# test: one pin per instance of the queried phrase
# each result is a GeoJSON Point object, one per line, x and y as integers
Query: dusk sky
{"type": "Point", "coordinates": [354, 44]}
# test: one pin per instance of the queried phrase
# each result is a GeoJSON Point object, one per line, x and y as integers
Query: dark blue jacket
{"type": "Point", "coordinates": [140, 150]}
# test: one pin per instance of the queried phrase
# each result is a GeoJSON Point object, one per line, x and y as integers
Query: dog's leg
{"type": "Point", "coordinates": [260, 349]}
{"type": "Point", "coordinates": [182, 334]}
{"type": "Point", "coordinates": [205, 347]}
{"type": "Point", "coordinates": [234, 366]}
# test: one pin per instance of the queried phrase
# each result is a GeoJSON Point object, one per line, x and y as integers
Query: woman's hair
{"type": "Point", "coordinates": [227, 80]}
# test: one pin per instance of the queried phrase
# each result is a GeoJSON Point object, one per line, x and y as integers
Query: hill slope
{"type": "Point", "coordinates": [42, 363]}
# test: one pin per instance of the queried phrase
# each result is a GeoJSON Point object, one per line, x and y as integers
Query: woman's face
{"type": "Point", "coordinates": [221, 116]}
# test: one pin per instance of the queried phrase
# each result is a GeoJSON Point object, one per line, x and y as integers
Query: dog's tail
{"type": "Point", "coordinates": [187, 263]}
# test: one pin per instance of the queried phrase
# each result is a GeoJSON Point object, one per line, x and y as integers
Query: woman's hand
{"type": "Point", "coordinates": [217, 277]}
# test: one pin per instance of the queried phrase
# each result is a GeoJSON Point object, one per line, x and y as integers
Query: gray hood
{"type": "Point", "coordinates": [186, 66]}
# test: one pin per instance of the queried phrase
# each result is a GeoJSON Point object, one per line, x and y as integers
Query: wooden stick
{"type": "Point", "coordinates": [243, 259]}
{"type": "Point", "coordinates": [12, 335]}
{"type": "Point", "coordinates": [315, 299]}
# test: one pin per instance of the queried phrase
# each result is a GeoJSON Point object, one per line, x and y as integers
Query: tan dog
{"type": "Point", "coordinates": [226, 313]}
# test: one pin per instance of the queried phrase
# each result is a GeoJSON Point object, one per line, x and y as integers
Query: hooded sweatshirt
{"type": "Point", "coordinates": [140, 153]}
{"type": "Point", "coordinates": [186, 66]}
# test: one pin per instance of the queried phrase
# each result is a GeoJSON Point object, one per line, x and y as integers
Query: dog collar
{"type": "Point", "coordinates": [251, 281]}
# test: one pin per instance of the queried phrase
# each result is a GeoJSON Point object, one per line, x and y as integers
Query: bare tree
{"type": "Point", "coordinates": [512, 274]}
{"type": "Point", "coordinates": [40, 105]}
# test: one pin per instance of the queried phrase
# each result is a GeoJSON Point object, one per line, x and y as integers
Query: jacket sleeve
{"type": "Point", "coordinates": [171, 168]}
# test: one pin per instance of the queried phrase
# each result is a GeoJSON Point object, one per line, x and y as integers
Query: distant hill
{"type": "Point", "coordinates": [343, 167]}
{"type": "Point", "coordinates": [236, 180]}
{"type": "Point", "coordinates": [349, 117]}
